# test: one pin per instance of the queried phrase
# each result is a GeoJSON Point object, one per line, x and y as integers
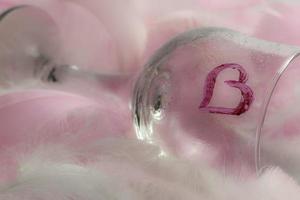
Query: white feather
{"type": "Point", "coordinates": [116, 169]}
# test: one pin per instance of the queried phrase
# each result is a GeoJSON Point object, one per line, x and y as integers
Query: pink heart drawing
{"type": "Point", "coordinates": [246, 92]}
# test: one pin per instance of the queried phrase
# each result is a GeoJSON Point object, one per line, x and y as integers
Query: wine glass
{"type": "Point", "coordinates": [215, 94]}
{"type": "Point", "coordinates": [29, 43]}
{"type": "Point", "coordinates": [32, 56]}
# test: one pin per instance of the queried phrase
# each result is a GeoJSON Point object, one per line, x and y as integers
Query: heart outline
{"type": "Point", "coordinates": [246, 92]}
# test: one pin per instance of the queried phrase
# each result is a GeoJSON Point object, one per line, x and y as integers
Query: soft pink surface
{"type": "Point", "coordinates": [118, 37]}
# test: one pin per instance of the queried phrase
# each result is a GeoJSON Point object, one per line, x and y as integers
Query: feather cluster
{"type": "Point", "coordinates": [74, 141]}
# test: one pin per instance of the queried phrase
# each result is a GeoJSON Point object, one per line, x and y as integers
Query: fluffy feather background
{"type": "Point", "coordinates": [55, 144]}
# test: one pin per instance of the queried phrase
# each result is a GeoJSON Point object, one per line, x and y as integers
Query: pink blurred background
{"type": "Point", "coordinates": [117, 37]}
